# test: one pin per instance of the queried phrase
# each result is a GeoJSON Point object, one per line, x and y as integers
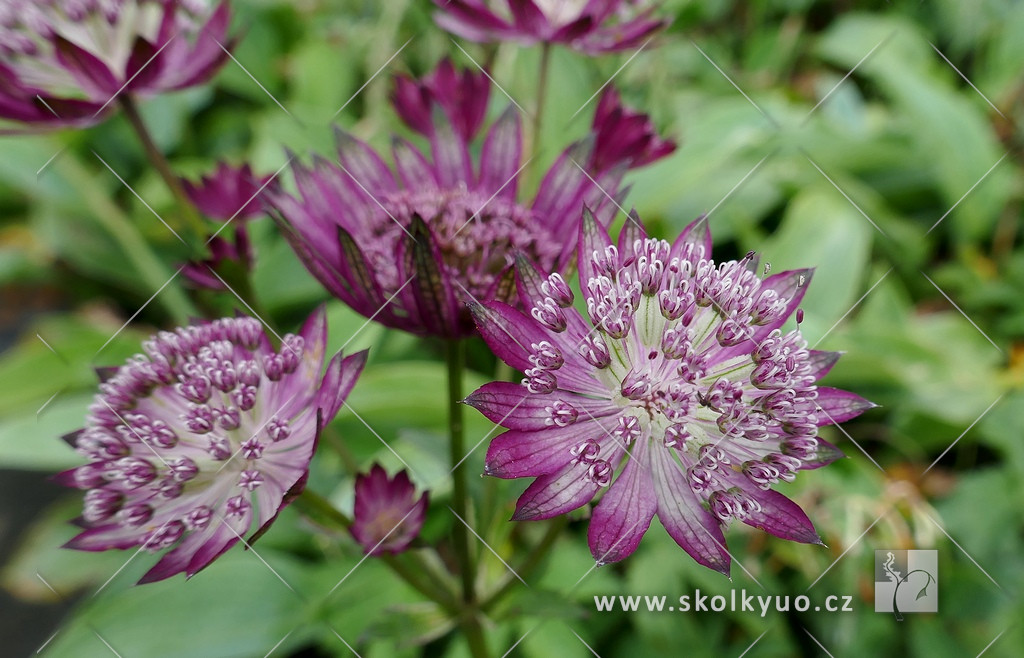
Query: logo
{"type": "Point", "coordinates": [906, 581]}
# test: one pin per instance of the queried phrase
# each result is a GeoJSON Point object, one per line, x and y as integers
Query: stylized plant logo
{"type": "Point", "coordinates": [894, 576]}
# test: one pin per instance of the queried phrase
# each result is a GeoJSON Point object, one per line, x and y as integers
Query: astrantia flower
{"type": "Point", "coordinates": [63, 62]}
{"type": "Point", "coordinates": [624, 135]}
{"type": "Point", "coordinates": [388, 515]}
{"type": "Point", "coordinates": [223, 254]}
{"type": "Point", "coordinates": [461, 96]}
{"type": "Point", "coordinates": [410, 248]}
{"type": "Point", "coordinates": [229, 193]}
{"type": "Point", "coordinates": [206, 436]}
{"type": "Point", "coordinates": [677, 392]}
{"type": "Point", "coordinates": [590, 26]}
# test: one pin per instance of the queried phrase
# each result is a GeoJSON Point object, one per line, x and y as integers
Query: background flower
{"type": "Point", "coordinates": [591, 26]}
{"type": "Point", "coordinates": [62, 62]}
{"type": "Point", "coordinates": [410, 248]}
{"type": "Point", "coordinates": [624, 135]}
{"type": "Point", "coordinates": [681, 395]}
{"type": "Point", "coordinates": [462, 96]}
{"type": "Point", "coordinates": [229, 193]}
{"type": "Point", "coordinates": [205, 436]}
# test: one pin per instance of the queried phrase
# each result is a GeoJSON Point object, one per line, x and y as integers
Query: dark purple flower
{"type": "Point", "coordinates": [590, 26]}
{"type": "Point", "coordinates": [624, 135]}
{"type": "Point", "coordinates": [677, 392]}
{"type": "Point", "coordinates": [410, 248]}
{"type": "Point", "coordinates": [461, 96]}
{"type": "Point", "coordinates": [63, 62]}
{"type": "Point", "coordinates": [223, 253]}
{"type": "Point", "coordinates": [206, 436]}
{"type": "Point", "coordinates": [388, 516]}
{"type": "Point", "coordinates": [228, 193]}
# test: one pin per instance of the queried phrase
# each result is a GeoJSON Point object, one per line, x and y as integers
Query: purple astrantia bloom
{"type": "Point", "coordinates": [625, 135]}
{"type": "Point", "coordinates": [590, 26]}
{"type": "Point", "coordinates": [223, 254]}
{"type": "Point", "coordinates": [229, 193]}
{"type": "Point", "coordinates": [461, 96]}
{"type": "Point", "coordinates": [677, 392]}
{"type": "Point", "coordinates": [410, 248]}
{"type": "Point", "coordinates": [206, 436]}
{"type": "Point", "coordinates": [388, 516]}
{"type": "Point", "coordinates": [63, 62]}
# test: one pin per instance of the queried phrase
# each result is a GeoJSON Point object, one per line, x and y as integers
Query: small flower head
{"type": "Point", "coordinates": [204, 437]}
{"type": "Point", "coordinates": [676, 390]}
{"type": "Point", "coordinates": [624, 135]}
{"type": "Point", "coordinates": [411, 247]}
{"type": "Point", "coordinates": [388, 516]}
{"type": "Point", "coordinates": [64, 62]}
{"type": "Point", "coordinates": [238, 254]}
{"type": "Point", "coordinates": [228, 194]}
{"type": "Point", "coordinates": [462, 97]}
{"type": "Point", "coordinates": [590, 26]}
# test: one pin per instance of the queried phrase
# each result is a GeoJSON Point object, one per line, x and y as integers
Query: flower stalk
{"type": "Point", "coordinates": [418, 575]}
{"type": "Point", "coordinates": [470, 622]}
{"type": "Point", "coordinates": [156, 158]}
{"type": "Point", "coordinates": [137, 251]}
{"type": "Point", "coordinates": [542, 91]}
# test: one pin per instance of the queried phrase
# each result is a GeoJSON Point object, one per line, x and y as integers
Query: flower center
{"type": "Point", "coordinates": [476, 235]}
{"type": "Point", "coordinates": [680, 347]}
{"type": "Point", "coordinates": [561, 12]}
{"type": "Point", "coordinates": [206, 381]}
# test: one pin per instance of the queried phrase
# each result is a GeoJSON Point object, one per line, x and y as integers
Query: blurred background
{"type": "Point", "coordinates": [877, 141]}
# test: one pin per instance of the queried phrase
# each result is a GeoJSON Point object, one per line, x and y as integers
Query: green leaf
{"type": "Point", "coordinates": [411, 624]}
{"type": "Point", "coordinates": [33, 442]}
{"type": "Point", "coordinates": [821, 229]}
{"type": "Point", "coordinates": [236, 607]}
{"type": "Point", "coordinates": [34, 370]}
{"type": "Point", "coordinates": [39, 563]}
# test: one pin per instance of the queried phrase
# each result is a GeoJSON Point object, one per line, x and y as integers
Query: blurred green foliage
{"type": "Point", "coordinates": [833, 135]}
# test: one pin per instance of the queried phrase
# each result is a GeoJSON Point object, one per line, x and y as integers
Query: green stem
{"type": "Point", "coordinates": [542, 92]}
{"type": "Point", "coordinates": [460, 499]}
{"type": "Point", "coordinates": [159, 162]}
{"type": "Point", "coordinates": [348, 460]}
{"type": "Point", "coordinates": [322, 511]}
{"type": "Point", "coordinates": [147, 265]}
{"type": "Point", "coordinates": [470, 621]}
{"type": "Point", "coordinates": [530, 564]}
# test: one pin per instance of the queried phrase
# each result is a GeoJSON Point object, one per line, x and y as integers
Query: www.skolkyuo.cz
{"type": "Point", "coordinates": [735, 601]}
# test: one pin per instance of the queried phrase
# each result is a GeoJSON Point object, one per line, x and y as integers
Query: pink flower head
{"type": "Point", "coordinates": [388, 516]}
{"type": "Point", "coordinates": [624, 135]}
{"type": "Point", "coordinates": [206, 436]}
{"type": "Point", "coordinates": [229, 193]}
{"type": "Point", "coordinates": [409, 248]}
{"type": "Point", "coordinates": [223, 253]}
{"type": "Point", "coordinates": [590, 26]}
{"type": "Point", "coordinates": [63, 62]}
{"type": "Point", "coordinates": [677, 393]}
{"type": "Point", "coordinates": [462, 97]}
